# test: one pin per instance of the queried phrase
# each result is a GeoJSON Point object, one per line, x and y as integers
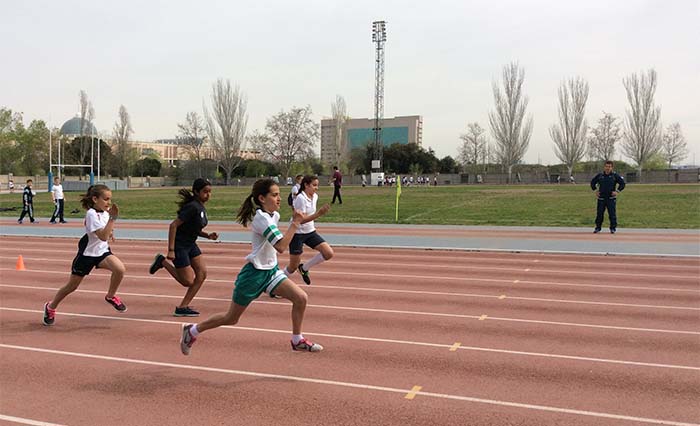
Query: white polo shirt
{"type": "Point", "coordinates": [57, 192]}
{"type": "Point", "coordinates": [265, 236]}
{"type": "Point", "coordinates": [307, 206]}
{"type": "Point", "coordinates": [94, 221]}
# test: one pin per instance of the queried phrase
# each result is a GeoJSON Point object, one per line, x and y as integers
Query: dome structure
{"type": "Point", "coordinates": [72, 127]}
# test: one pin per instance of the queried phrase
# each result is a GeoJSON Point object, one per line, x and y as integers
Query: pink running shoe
{"type": "Point", "coordinates": [49, 314]}
{"type": "Point", "coordinates": [186, 339]}
{"type": "Point", "coordinates": [306, 345]}
{"type": "Point", "coordinates": [116, 302]}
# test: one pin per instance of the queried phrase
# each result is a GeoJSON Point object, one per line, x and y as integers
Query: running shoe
{"type": "Point", "coordinates": [613, 230]}
{"type": "Point", "coordinates": [304, 274]}
{"type": "Point", "coordinates": [157, 264]}
{"type": "Point", "coordinates": [116, 302]}
{"type": "Point", "coordinates": [306, 345]}
{"type": "Point", "coordinates": [49, 314]}
{"type": "Point", "coordinates": [186, 339]}
{"type": "Point", "coordinates": [185, 311]}
{"type": "Point", "coordinates": [597, 230]}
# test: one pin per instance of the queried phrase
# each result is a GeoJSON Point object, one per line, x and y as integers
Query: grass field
{"type": "Point", "coordinates": [639, 206]}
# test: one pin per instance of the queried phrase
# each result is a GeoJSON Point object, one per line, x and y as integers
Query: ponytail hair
{"type": "Point", "coordinates": [92, 191]}
{"type": "Point", "coordinates": [187, 196]}
{"type": "Point", "coordinates": [252, 201]}
{"type": "Point", "coordinates": [306, 181]}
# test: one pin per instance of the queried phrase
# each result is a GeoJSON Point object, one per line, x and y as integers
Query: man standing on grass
{"type": "Point", "coordinates": [604, 186]}
{"type": "Point", "coordinates": [337, 180]}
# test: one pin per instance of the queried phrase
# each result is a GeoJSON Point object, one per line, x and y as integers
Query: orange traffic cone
{"type": "Point", "coordinates": [20, 264]}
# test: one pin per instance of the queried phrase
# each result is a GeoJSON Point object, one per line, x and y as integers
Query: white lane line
{"type": "Point", "coordinates": [397, 311]}
{"type": "Point", "coordinates": [495, 402]}
{"type": "Point", "coordinates": [465, 295]}
{"type": "Point", "coordinates": [24, 421]}
{"type": "Point", "coordinates": [380, 340]}
{"type": "Point", "coordinates": [430, 278]}
{"type": "Point", "coordinates": [451, 266]}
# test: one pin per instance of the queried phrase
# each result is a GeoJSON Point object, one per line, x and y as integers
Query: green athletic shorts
{"type": "Point", "coordinates": [252, 282]}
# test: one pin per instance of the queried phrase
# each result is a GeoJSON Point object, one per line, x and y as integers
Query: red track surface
{"type": "Point", "coordinates": [543, 340]}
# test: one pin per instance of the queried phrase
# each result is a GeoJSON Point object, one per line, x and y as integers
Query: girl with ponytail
{"type": "Point", "coordinates": [184, 260]}
{"type": "Point", "coordinates": [260, 274]}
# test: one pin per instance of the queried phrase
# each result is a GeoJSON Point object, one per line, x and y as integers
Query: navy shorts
{"type": "Point", "coordinates": [312, 239]}
{"type": "Point", "coordinates": [183, 255]}
{"type": "Point", "coordinates": [83, 265]}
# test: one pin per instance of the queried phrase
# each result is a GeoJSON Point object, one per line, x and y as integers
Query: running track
{"type": "Point", "coordinates": [410, 336]}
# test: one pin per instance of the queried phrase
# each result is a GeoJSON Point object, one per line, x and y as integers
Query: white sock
{"type": "Point", "coordinates": [286, 271]}
{"type": "Point", "coordinates": [193, 331]}
{"type": "Point", "coordinates": [296, 338]}
{"type": "Point", "coordinates": [314, 261]}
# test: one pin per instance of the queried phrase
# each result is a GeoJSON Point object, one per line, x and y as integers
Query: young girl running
{"type": "Point", "coordinates": [260, 274]}
{"type": "Point", "coordinates": [184, 261]}
{"type": "Point", "coordinates": [93, 250]}
{"type": "Point", "coordinates": [305, 203]}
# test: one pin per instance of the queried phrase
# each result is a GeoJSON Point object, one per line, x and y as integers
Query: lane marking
{"type": "Point", "coordinates": [441, 266]}
{"type": "Point", "coordinates": [414, 391]}
{"type": "Point", "coordinates": [352, 385]}
{"type": "Point", "coordinates": [454, 347]}
{"type": "Point", "coordinates": [503, 296]}
{"type": "Point", "coordinates": [483, 317]}
{"type": "Point", "coordinates": [380, 340]}
{"type": "Point", "coordinates": [516, 281]}
{"type": "Point", "coordinates": [24, 421]}
{"type": "Point", "coordinates": [426, 277]}
{"type": "Point", "coordinates": [396, 311]}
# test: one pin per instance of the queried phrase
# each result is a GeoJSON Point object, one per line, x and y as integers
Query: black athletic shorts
{"type": "Point", "coordinates": [312, 239]}
{"type": "Point", "coordinates": [82, 265]}
{"type": "Point", "coordinates": [183, 254]}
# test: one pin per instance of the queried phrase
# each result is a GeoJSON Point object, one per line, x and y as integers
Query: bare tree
{"type": "Point", "coordinates": [642, 137]}
{"type": "Point", "coordinates": [509, 127]}
{"type": "Point", "coordinates": [569, 135]}
{"type": "Point", "coordinates": [601, 144]}
{"type": "Point", "coordinates": [674, 147]}
{"type": "Point", "coordinates": [122, 132]}
{"type": "Point", "coordinates": [226, 125]}
{"type": "Point", "coordinates": [87, 115]}
{"type": "Point", "coordinates": [340, 117]}
{"type": "Point", "coordinates": [289, 137]}
{"type": "Point", "coordinates": [191, 137]}
{"type": "Point", "coordinates": [473, 145]}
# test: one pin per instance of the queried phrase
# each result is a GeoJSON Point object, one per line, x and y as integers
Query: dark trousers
{"type": "Point", "coordinates": [336, 194]}
{"type": "Point", "coordinates": [610, 204]}
{"type": "Point", "coordinates": [28, 209]}
{"type": "Point", "coordinates": [58, 211]}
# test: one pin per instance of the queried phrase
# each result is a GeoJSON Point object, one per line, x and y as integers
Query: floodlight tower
{"type": "Point", "coordinates": [378, 37]}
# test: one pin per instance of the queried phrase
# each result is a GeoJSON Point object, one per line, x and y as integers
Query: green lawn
{"type": "Point", "coordinates": [639, 206]}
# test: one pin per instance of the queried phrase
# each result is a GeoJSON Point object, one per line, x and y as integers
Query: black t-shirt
{"type": "Point", "coordinates": [194, 218]}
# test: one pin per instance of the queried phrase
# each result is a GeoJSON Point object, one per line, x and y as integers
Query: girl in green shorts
{"type": "Point", "coordinates": [260, 274]}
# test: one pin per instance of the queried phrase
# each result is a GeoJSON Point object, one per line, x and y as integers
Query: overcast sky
{"type": "Point", "coordinates": [160, 58]}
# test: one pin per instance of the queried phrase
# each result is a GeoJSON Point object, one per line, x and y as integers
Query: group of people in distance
{"type": "Point", "coordinates": [184, 260]}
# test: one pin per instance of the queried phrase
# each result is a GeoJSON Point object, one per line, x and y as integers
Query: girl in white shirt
{"type": "Point", "coordinates": [93, 250]}
{"type": "Point", "coordinates": [305, 203]}
{"type": "Point", "coordinates": [260, 274]}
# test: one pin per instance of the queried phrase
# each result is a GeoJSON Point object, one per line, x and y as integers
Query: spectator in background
{"type": "Point", "coordinates": [337, 180]}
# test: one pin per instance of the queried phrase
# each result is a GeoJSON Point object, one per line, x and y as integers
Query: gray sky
{"type": "Point", "coordinates": [159, 59]}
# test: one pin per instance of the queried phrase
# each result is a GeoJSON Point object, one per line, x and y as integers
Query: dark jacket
{"type": "Point", "coordinates": [27, 196]}
{"type": "Point", "coordinates": [606, 184]}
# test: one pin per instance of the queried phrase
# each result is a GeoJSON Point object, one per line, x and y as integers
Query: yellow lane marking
{"type": "Point", "coordinates": [516, 281]}
{"type": "Point", "coordinates": [454, 347]}
{"type": "Point", "coordinates": [483, 317]}
{"type": "Point", "coordinates": [503, 296]}
{"type": "Point", "coordinates": [527, 270]}
{"type": "Point", "coordinates": [413, 392]}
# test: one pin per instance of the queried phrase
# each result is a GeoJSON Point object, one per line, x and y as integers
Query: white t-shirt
{"type": "Point", "coordinates": [307, 206]}
{"type": "Point", "coordinates": [265, 236]}
{"type": "Point", "coordinates": [295, 190]}
{"type": "Point", "coordinates": [57, 192]}
{"type": "Point", "coordinates": [95, 221]}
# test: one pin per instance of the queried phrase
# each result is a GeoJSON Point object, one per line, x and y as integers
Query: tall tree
{"type": "Point", "coordinates": [288, 137]}
{"type": "Point", "coordinates": [642, 137]}
{"type": "Point", "coordinates": [473, 145]}
{"type": "Point", "coordinates": [569, 135]}
{"type": "Point", "coordinates": [509, 127]}
{"type": "Point", "coordinates": [87, 115]}
{"type": "Point", "coordinates": [226, 125]}
{"type": "Point", "coordinates": [601, 144]}
{"type": "Point", "coordinates": [340, 117]}
{"type": "Point", "coordinates": [674, 147]}
{"type": "Point", "coordinates": [122, 132]}
{"type": "Point", "coordinates": [191, 136]}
